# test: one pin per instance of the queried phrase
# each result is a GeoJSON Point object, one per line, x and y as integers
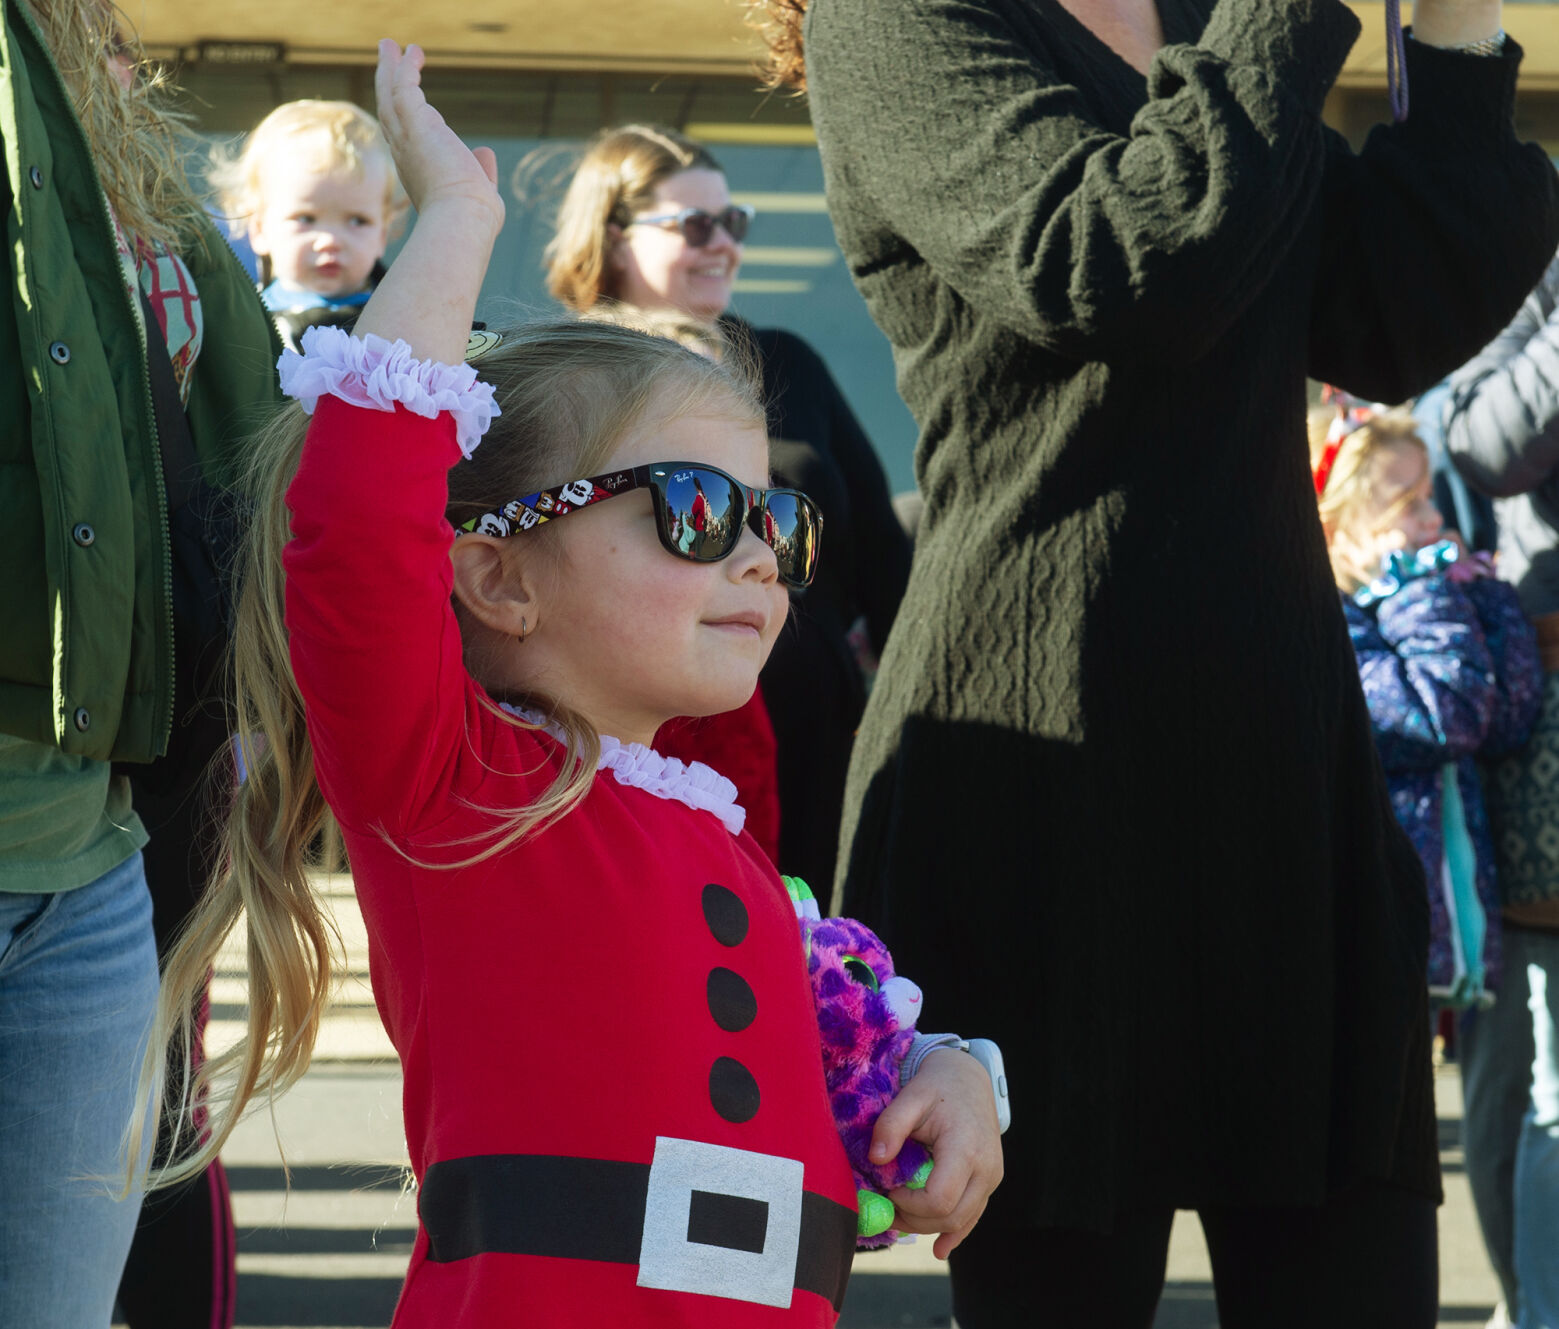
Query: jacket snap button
{"type": "Point", "coordinates": [59, 353]}
{"type": "Point", "coordinates": [36, 176]}
{"type": "Point", "coordinates": [83, 534]}
{"type": "Point", "coordinates": [83, 718]}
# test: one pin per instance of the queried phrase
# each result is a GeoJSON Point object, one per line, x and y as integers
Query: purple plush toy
{"type": "Point", "coordinates": [866, 1015]}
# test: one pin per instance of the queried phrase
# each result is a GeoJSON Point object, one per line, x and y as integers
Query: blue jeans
{"type": "Point", "coordinates": [78, 985]}
{"type": "Point", "coordinates": [1510, 1080]}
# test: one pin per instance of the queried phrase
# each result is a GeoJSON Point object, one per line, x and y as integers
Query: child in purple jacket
{"type": "Point", "coordinates": [1450, 671]}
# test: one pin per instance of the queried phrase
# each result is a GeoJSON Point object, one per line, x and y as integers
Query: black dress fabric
{"type": "Point", "coordinates": [812, 686]}
{"type": "Point", "coordinates": [1114, 800]}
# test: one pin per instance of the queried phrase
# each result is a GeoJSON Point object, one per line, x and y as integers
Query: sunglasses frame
{"type": "Point", "coordinates": [524, 514]}
{"type": "Point", "coordinates": [679, 220]}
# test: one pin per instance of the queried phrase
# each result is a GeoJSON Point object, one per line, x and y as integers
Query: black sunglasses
{"type": "Point", "coordinates": [699, 514]}
{"type": "Point", "coordinates": [698, 226]}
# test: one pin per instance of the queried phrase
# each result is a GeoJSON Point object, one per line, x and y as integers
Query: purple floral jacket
{"type": "Point", "coordinates": [1451, 673]}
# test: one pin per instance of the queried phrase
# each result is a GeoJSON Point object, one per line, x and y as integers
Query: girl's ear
{"type": "Point", "coordinates": [496, 587]}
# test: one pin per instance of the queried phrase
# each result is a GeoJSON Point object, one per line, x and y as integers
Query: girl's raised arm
{"type": "Point", "coordinates": [429, 295]}
{"type": "Point", "coordinates": [371, 635]}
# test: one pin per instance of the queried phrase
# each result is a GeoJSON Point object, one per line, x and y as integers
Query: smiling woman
{"type": "Point", "coordinates": [648, 227]}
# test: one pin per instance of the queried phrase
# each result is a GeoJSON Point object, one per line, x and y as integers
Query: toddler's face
{"type": "Point", "coordinates": [1400, 512]}
{"type": "Point", "coordinates": [323, 231]}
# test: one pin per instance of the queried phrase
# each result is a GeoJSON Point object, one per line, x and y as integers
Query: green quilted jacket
{"type": "Point", "coordinates": [86, 627]}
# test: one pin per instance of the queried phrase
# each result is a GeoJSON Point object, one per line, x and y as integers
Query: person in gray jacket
{"type": "Point", "coordinates": [1502, 433]}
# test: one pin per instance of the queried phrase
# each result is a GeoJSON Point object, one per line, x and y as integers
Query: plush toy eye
{"type": "Point", "coordinates": [860, 972]}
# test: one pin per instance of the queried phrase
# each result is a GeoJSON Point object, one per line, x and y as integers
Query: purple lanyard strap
{"type": "Point", "coordinates": [1396, 56]}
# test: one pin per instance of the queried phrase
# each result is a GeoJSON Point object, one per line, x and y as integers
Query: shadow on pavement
{"type": "Point", "coordinates": [276, 1299]}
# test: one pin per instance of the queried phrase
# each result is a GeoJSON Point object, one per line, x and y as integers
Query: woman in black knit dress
{"type": "Point", "coordinates": [1114, 798]}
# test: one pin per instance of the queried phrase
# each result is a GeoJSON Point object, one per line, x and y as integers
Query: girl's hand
{"type": "Point", "coordinates": [428, 297]}
{"type": "Point", "coordinates": [435, 166]}
{"type": "Point", "coordinates": [949, 1108]}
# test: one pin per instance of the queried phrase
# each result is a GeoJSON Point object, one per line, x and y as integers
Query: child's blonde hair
{"type": "Point", "coordinates": [1344, 469]}
{"type": "Point", "coordinates": [569, 392]}
{"type": "Point", "coordinates": [138, 143]}
{"type": "Point", "coordinates": [326, 136]}
{"type": "Point", "coordinates": [615, 179]}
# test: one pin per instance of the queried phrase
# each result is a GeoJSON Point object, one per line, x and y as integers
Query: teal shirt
{"type": "Point", "coordinates": [64, 820]}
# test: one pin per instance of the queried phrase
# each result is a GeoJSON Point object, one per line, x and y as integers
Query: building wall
{"type": "Point", "coordinates": [793, 276]}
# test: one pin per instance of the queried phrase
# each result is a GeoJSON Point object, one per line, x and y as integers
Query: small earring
{"type": "Point", "coordinates": [523, 629]}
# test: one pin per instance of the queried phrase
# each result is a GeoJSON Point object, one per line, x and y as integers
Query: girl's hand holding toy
{"type": "Point", "coordinates": [949, 1108]}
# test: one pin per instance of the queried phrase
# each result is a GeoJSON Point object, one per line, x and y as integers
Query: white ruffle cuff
{"type": "Point", "coordinates": [632, 764]}
{"type": "Point", "coordinates": [380, 375]}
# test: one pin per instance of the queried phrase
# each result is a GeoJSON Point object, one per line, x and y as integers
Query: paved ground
{"type": "Point", "coordinates": [331, 1251]}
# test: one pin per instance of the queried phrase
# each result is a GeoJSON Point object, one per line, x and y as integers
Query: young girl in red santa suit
{"type": "Point", "coordinates": [614, 1099]}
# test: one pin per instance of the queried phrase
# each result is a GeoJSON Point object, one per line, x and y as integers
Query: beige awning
{"type": "Point", "coordinates": [661, 36]}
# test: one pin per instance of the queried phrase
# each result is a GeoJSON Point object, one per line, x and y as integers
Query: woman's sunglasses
{"type": "Point", "coordinates": [698, 226]}
{"type": "Point", "coordinates": [699, 514]}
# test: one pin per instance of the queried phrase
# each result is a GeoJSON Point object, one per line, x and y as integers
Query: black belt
{"type": "Point", "coordinates": [594, 1209]}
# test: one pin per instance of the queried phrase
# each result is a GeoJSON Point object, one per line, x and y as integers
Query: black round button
{"type": "Point", "coordinates": [59, 353]}
{"type": "Point", "coordinates": [732, 1001]}
{"type": "Point", "coordinates": [732, 1090]}
{"type": "Point", "coordinates": [726, 914]}
{"type": "Point", "coordinates": [36, 176]}
{"type": "Point", "coordinates": [83, 719]}
{"type": "Point", "coordinates": [83, 534]}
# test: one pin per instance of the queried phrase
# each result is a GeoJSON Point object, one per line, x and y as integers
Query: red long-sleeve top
{"type": "Point", "coordinates": [591, 1024]}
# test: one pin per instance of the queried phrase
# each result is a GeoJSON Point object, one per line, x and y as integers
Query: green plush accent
{"type": "Point", "coordinates": [798, 889]}
{"type": "Point", "coordinates": [875, 1214]}
{"type": "Point", "coordinates": [921, 1177]}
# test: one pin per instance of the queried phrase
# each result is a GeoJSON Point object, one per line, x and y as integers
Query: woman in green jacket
{"type": "Point", "coordinates": [93, 200]}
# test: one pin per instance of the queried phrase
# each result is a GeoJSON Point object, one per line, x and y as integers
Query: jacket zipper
{"type": "Point", "coordinates": [161, 535]}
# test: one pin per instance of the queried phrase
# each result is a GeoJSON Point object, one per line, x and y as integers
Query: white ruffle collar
{"type": "Point", "coordinates": [638, 767]}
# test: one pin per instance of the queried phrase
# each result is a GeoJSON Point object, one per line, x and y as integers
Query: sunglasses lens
{"type": "Point", "coordinates": [791, 530]}
{"type": "Point", "coordinates": [698, 229]}
{"type": "Point", "coordinates": [702, 513]}
{"type": "Point", "coordinates": [735, 220]}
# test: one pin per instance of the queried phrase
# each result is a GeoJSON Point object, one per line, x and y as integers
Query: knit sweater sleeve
{"type": "Point", "coordinates": [374, 644]}
{"type": "Point", "coordinates": [947, 118]}
{"type": "Point", "coordinates": [1433, 233]}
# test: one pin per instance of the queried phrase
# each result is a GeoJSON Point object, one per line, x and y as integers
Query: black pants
{"type": "Point", "coordinates": [1367, 1258]}
{"type": "Point", "coordinates": [182, 1268]}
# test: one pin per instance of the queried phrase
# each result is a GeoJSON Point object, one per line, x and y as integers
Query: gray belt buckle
{"type": "Point", "coordinates": [722, 1222]}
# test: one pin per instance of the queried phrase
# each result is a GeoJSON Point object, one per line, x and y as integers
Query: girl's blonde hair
{"type": "Point", "coordinates": [568, 392]}
{"type": "Point", "coordinates": [615, 179]}
{"type": "Point", "coordinates": [325, 136]}
{"type": "Point", "coordinates": [139, 144]}
{"type": "Point", "coordinates": [1347, 494]}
